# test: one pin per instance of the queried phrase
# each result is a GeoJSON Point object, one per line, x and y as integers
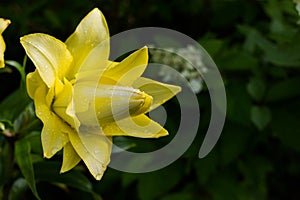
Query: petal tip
{"type": "Point", "coordinates": [4, 23]}
{"type": "Point", "coordinates": [46, 155]}
{"type": "Point", "coordinates": [63, 170]}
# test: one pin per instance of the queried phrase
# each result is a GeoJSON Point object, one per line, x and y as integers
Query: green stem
{"type": "Point", "coordinates": [19, 67]}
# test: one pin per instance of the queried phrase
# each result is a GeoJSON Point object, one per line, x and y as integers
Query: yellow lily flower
{"type": "Point", "coordinates": [3, 25]}
{"type": "Point", "coordinates": [75, 83]}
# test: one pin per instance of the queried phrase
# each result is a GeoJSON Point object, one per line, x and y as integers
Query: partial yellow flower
{"type": "Point", "coordinates": [3, 25]}
{"type": "Point", "coordinates": [83, 99]}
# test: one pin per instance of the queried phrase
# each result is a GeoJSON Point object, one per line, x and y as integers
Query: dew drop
{"type": "Point", "coordinates": [98, 176]}
{"type": "Point", "coordinates": [54, 150]}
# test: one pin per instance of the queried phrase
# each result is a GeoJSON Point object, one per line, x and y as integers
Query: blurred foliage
{"type": "Point", "coordinates": [256, 46]}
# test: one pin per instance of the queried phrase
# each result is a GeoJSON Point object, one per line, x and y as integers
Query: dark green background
{"type": "Point", "coordinates": [255, 44]}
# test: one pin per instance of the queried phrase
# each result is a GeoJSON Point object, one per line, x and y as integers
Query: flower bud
{"type": "Point", "coordinates": [113, 102]}
{"type": "Point", "coordinates": [106, 103]}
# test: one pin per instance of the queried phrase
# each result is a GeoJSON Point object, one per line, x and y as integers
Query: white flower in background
{"type": "Point", "coordinates": [183, 60]}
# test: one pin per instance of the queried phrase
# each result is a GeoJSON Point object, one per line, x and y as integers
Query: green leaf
{"type": "Point", "coordinates": [19, 67]}
{"type": "Point", "coordinates": [23, 158]}
{"type": "Point", "coordinates": [27, 121]}
{"type": "Point", "coordinates": [179, 195]}
{"type": "Point", "coordinates": [2, 126]}
{"type": "Point", "coordinates": [34, 138]}
{"type": "Point", "coordinates": [255, 170]}
{"type": "Point", "coordinates": [14, 104]}
{"type": "Point", "coordinates": [6, 156]}
{"type": "Point", "coordinates": [238, 102]}
{"type": "Point", "coordinates": [206, 167]}
{"type": "Point", "coordinates": [153, 185]}
{"type": "Point", "coordinates": [234, 142]}
{"type": "Point", "coordinates": [128, 178]}
{"type": "Point", "coordinates": [250, 34]}
{"type": "Point", "coordinates": [284, 90]}
{"type": "Point", "coordinates": [236, 60]}
{"type": "Point", "coordinates": [256, 88]}
{"type": "Point", "coordinates": [211, 45]}
{"type": "Point", "coordinates": [50, 171]}
{"type": "Point", "coordinates": [123, 143]}
{"type": "Point", "coordinates": [260, 116]}
{"type": "Point", "coordinates": [285, 124]}
{"type": "Point", "coordinates": [274, 10]}
{"type": "Point", "coordinates": [18, 188]}
{"type": "Point", "coordinates": [224, 187]}
{"type": "Point", "coordinates": [284, 55]}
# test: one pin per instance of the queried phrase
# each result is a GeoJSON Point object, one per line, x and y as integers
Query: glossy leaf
{"type": "Point", "coordinates": [26, 122]}
{"type": "Point", "coordinates": [9, 110]}
{"type": "Point", "coordinates": [179, 195]}
{"type": "Point", "coordinates": [238, 103]}
{"type": "Point", "coordinates": [6, 162]}
{"type": "Point", "coordinates": [23, 158]}
{"type": "Point", "coordinates": [168, 177]}
{"type": "Point", "coordinates": [18, 189]}
{"type": "Point", "coordinates": [256, 88]}
{"type": "Point", "coordinates": [285, 125]}
{"type": "Point", "coordinates": [34, 139]}
{"type": "Point", "coordinates": [283, 90]}
{"type": "Point", "coordinates": [260, 116]}
{"type": "Point", "coordinates": [73, 178]}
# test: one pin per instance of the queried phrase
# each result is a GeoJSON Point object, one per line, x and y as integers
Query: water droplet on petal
{"type": "Point", "coordinates": [96, 152]}
{"type": "Point", "coordinates": [98, 176]}
{"type": "Point", "coordinates": [54, 150]}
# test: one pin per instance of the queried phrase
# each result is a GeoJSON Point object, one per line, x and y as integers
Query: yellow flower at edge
{"type": "Point", "coordinates": [3, 25]}
{"type": "Point", "coordinates": [83, 99]}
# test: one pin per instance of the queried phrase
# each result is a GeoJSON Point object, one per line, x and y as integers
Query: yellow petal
{"type": "Point", "coordinates": [159, 91]}
{"type": "Point", "coordinates": [111, 64]}
{"type": "Point", "coordinates": [70, 158]}
{"type": "Point", "coordinates": [33, 81]}
{"type": "Point", "coordinates": [85, 76]}
{"type": "Point", "coordinates": [62, 101]}
{"type": "Point", "coordinates": [49, 55]}
{"type": "Point", "coordinates": [54, 133]}
{"type": "Point", "coordinates": [89, 44]}
{"type": "Point", "coordinates": [140, 126]}
{"type": "Point", "coordinates": [2, 50]}
{"type": "Point", "coordinates": [94, 149]}
{"type": "Point", "coordinates": [83, 98]}
{"type": "Point", "coordinates": [131, 68]}
{"type": "Point", "coordinates": [3, 25]}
